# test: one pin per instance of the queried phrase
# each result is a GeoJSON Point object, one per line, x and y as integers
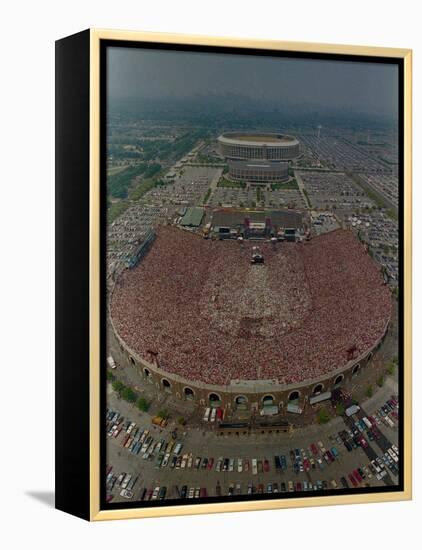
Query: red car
{"type": "Point", "coordinates": [363, 442]}
{"type": "Point", "coordinates": [330, 456]}
{"type": "Point", "coordinates": [306, 464]}
{"type": "Point", "coordinates": [353, 480]}
{"type": "Point", "coordinates": [210, 463]}
{"type": "Point", "coordinates": [266, 465]}
{"type": "Point", "coordinates": [298, 486]}
{"type": "Point", "coordinates": [357, 476]}
{"type": "Point", "coordinates": [314, 449]}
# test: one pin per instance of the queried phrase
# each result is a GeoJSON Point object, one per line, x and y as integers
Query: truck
{"type": "Point", "coordinates": [353, 409]}
{"type": "Point", "coordinates": [159, 421]}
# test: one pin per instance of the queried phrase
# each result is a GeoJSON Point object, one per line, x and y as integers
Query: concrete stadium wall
{"type": "Point", "coordinates": [200, 393]}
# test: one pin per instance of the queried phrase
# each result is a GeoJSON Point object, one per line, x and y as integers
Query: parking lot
{"type": "Point", "coordinates": [197, 461]}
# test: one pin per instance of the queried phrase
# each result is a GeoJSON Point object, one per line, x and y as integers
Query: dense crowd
{"type": "Point", "coordinates": [205, 313]}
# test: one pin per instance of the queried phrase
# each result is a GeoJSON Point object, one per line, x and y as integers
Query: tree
{"type": "Point", "coordinates": [323, 416]}
{"type": "Point", "coordinates": [340, 409]}
{"type": "Point", "coordinates": [142, 404]}
{"type": "Point", "coordinates": [380, 381]}
{"type": "Point", "coordinates": [110, 376]}
{"type": "Point", "coordinates": [129, 395]}
{"type": "Point", "coordinates": [163, 413]}
{"type": "Point", "coordinates": [391, 367]}
{"type": "Point", "coordinates": [118, 386]}
{"type": "Point", "coordinates": [369, 391]}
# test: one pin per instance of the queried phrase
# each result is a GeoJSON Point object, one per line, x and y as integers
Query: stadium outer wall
{"type": "Point", "coordinates": [254, 394]}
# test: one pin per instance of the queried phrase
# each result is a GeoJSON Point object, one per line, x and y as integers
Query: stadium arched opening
{"type": "Point", "coordinates": [294, 396]}
{"type": "Point", "coordinates": [214, 399]}
{"type": "Point", "coordinates": [189, 393]}
{"type": "Point", "coordinates": [166, 385]}
{"type": "Point", "coordinates": [339, 379]}
{"type": "Point", "coordinates": [318, 389]}
{"type": "Point", "coordinates": [268, 400]}
{"type": "Point", "coordinates": [356, 369]}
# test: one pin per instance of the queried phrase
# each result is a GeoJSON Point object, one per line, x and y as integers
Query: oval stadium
{"type": "Point", "coordinates": [258, 158]}
{"type": "Point", "coordinates": [203, 322]}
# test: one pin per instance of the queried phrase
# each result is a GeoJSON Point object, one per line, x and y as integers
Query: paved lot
{"type": "Point", "coordinates": [206, 443]}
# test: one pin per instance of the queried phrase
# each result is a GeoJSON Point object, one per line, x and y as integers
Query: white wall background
{"type": "Point", "coordinates": [27, 268]}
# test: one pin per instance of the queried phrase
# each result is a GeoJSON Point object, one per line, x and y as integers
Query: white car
{"type": "Point", "coordinates": [126, 480]}
{"type": "Point", "coordinates": [155, 493]}
{"type": "Point", "coordinates": [231, 465]}
{"type": "Point", "coordinates": [239, 465]}
{"type": "Point", "coordinates": [130, 428]}
{"type": "Point", "coordinates": [165, 460]}
{"type": "Point", "coordinates": [177, 448]}
{"type": "Point", "coordinates": [143, 436]}
{"type": "Point", "coordinates": [111, 362]}
{"type": "Point", "coordinates": [393, 455]}
{"type": "Point", "coordinates": [126, 493]}
{"type": "Point", "coordinates": [254, 466]}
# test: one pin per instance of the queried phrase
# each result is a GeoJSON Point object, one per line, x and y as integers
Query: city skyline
{"type": "Point", "coordinates": [354, 87]}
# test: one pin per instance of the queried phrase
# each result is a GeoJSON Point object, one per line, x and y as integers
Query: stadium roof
{"type": "Point", "coordinates": [193, 217]}
{"type": "Point", "coordinates": [258, 139]}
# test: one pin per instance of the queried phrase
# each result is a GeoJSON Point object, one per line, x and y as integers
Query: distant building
{"type": "Point", "coordinates": [258, 158]}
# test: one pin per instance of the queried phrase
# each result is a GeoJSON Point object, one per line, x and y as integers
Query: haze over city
{"type": "Point", "coordinates": [231, 81]}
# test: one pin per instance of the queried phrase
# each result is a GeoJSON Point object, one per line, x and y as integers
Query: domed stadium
{"type": "Point", "coordinates": [259, 158]}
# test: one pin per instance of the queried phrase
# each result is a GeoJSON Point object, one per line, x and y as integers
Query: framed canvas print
{"type": "Point", "coordinates": [233, 274]}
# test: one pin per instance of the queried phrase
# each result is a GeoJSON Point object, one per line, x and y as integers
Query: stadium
{"type": "Point", "coordinates": [203, 323]}
{"type": "Point", "coordinates": [258, 158]}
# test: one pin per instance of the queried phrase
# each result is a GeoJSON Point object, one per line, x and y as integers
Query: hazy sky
{"type": "Point", "coordinates": [359, 87]}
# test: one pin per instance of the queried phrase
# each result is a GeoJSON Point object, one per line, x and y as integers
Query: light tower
{"type": "Point", "coordinates": [319, 130]}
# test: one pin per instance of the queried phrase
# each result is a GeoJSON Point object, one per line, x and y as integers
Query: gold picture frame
{"type": "Point", "coordinates": [95, 513]}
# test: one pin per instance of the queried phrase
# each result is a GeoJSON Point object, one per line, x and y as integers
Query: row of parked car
{"type": "Point", "coordinates": [388, 414]}
{"type": "Point", "coordinates": [139, 441]}
{"type": "Point", "coordinates": [123, 482]}
{"type": "Point", "coordinates": [315, 456]}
